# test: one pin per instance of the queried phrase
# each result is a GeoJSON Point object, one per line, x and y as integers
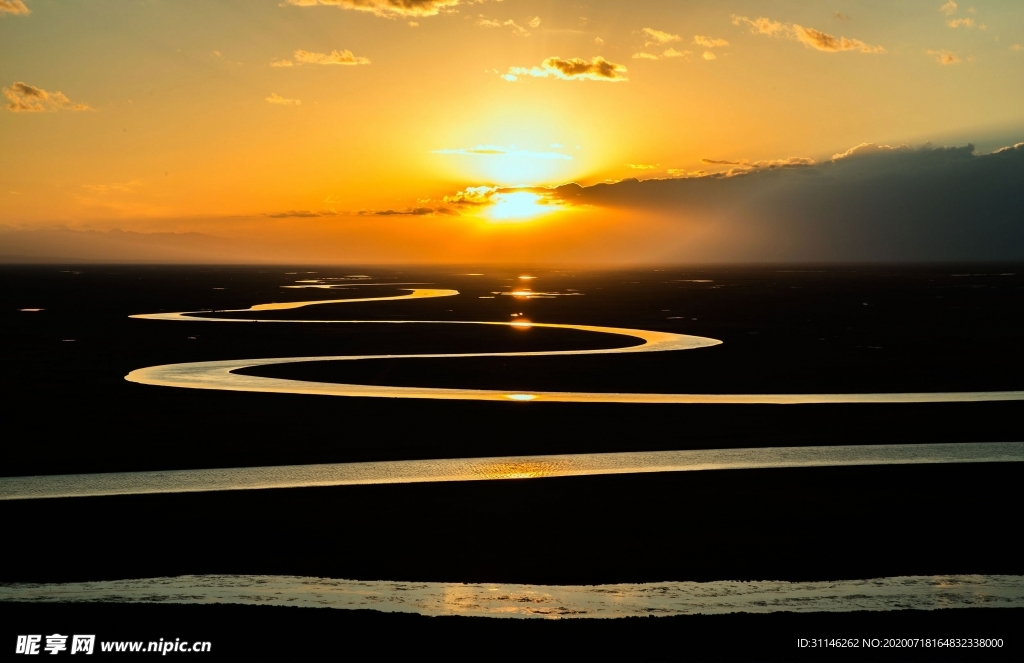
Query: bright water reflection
{"type": "Point", "coordinates": [547, 601]}
{"type": "Point", "coordinates": [510, 467]}
{"type": "Point", "coordinates": [222, 375]}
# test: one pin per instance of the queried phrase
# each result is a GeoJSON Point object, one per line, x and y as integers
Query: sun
{"type": "Point", "coordinates": [518, 206]}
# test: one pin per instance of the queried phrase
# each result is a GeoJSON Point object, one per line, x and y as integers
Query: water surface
{"type": "Point", "coordinates": [508, 467]}
{"type": "Point", "coordinates": [546, 601]}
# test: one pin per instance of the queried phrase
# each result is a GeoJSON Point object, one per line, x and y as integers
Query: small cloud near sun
{"type": "Point", "coordinates": [472, 195]}
{"type": "Point", "coordinates": [14, 7]}
{"type": "Point", "coordinates": [763, 26]}
{"type": "Point", "coordinates": [412, 211]}
{"type": "Point", "coordinates": [299, 214]}
{"type": "Point", "coordinates": [944, 57]}
{"type": "Point", "coordinates": [516, 28]}
{"type": "Point", "coordinates": [709, 42]}
{"type": "Point", "coordinates": [961, 22]}
{"type": "Point", "coordinates": [573, 69]}
{"type": "Point", "coordinates": [506, 204]}
{"type": "Point", "coordinates": [809, 37]}
{"type": "Point", "coordinates": [498, 150]}
{"type": "Point", "coordinates": [667, 53]}
{"type": "Point", "coordinates": [386, 8]}
{"type": "Point", "coordinates": [344, 57]}
{"type": "Point", "coordinates": [658, 38]}
{"type": "Point", "coordinates": [673, 53]}
{"type": "Point", "coordinates": [25, 98]}
{"type": "Point", "coordinates": [275, 98]}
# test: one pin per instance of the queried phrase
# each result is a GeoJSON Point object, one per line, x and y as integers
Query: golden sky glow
{"type": "Point", "coordinates": [430, 129]}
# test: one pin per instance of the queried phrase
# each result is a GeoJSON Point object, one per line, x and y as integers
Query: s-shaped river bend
{"type": "Point", "coordinates": [222, 375]}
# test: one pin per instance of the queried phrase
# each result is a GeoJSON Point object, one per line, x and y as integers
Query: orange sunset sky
{"type": "Point", "coordinates": [439, 130]}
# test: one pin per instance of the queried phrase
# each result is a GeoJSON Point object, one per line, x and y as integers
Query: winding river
{"type": "Point", "coordinates": [222, 375]}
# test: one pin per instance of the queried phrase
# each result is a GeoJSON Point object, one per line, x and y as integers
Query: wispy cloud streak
{"type": "Point", "coordinates": [25, 98]}
{"type": "Point", "coordinates": [573, 69]}
{"type": "Point", "coordinates": [386, 8]}
{"type": "Point", "coordinates": [809, 37]}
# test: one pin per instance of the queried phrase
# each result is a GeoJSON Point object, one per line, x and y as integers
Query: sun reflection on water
{"type": "Point", "coordinates": [519, 470]}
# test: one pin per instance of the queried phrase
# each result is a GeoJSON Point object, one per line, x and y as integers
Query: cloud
{"type": "Point", "coordinates": [708, 55]}
{"type": "Point", "coordinates": [414, 211]}
{"type": "Point", "coordinates": [116, 187]}
{"type": "Point", "coordinates": [667, 53]}
{"type": "Point", "coordinates": [944, 57]}
{"type": "Point", "coordinates": [744, 166]}
{"type": "Point", "coordinates": [16, 7]}
{"type": "Point", "coordinates": [809, 37]}
{"type": "Point", "coordinates": [948, 8]}
{"type": "Point", "coordinates": [472, 195]}
{"type": "Point", "coordinates": [1017, 47]}
{"type": "Point", "coordinates": [534, 22]}
{"type": "Point", "coordinates": [24, 98]}
{"type": "Point", "coordinates": [761, 25]}
{"type": "Point", "coordinates": [517, 29]}
{"type": "Point", "coordinates": [386, 8]}
{"type": "Point", "coordinates": [491, 23]}
{"type": "Point", "coordinates": [598, 41]}
{"type": "Point", "coordinates": [658, 38]}
{"type": "Point", "coordinates": [870, 203]}
{"type": "Point", "coordinates": [495, 150]}
{"type": "Point", "coordinates": [275, 98]}
{"type": "Point", "coordinates": [826, 42]}
{"type": "Point", "coordinates": [866, 149]}
{"type": "Point", "coordinates": [957, 22]}
{"type": "Point", "coordinates": [300, 214]}
{"type": "Point", "coordinates": [709, 42]}
{"type": "Point", "coordinates": [474, 199]}
{"type": "Point", "coordinates": [578, 69]}
{"type": "Point", "coordinates": [683, 173]}
{"type": "Point", "coordinates": [344, 57]}
{"type": "Point", "coordinates": [1018, 146]}
{"type": "Point", "coordinates": [334, 57]}
{"type": "Point", "coordinates": [642, 166]}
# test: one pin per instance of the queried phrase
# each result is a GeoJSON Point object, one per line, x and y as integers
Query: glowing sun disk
{"type": "Point", "coordinates": [517, 206]}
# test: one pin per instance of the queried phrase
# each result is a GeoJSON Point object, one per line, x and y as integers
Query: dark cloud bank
{"type": "Point", "coordinates": [873, 204]}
